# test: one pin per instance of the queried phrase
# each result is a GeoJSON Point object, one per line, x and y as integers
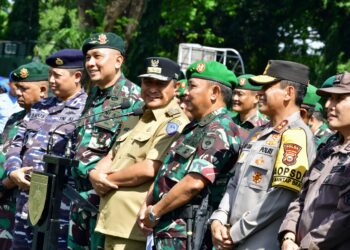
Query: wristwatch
{"type": "Point", "coordinates": [151, 216]}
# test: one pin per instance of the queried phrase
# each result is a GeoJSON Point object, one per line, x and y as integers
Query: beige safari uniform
{"type": "Point", "coordinates": [149, 139]}
{"type": "Point", "coordinates": [320, 217]}
{"type": "Point", "coordinates": [268, 175]}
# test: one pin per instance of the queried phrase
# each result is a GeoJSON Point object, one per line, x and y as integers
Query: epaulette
{"type": "Point", "coordinates": [172, 112]}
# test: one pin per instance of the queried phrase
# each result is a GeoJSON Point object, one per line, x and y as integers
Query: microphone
{"type": "Point", "coordinates": [124, 105]}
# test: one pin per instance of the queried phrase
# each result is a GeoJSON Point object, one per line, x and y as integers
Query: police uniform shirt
{"type": "Point", "coordinates": [269, 174]}
{"type": "Point", "coordinates": [320, 216]}
{"type": "Point", "coordinates": [150, 139]}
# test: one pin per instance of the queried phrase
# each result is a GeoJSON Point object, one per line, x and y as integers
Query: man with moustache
{"type": "Point", "coordinates": [137, 155]}
{"type": "Point", "coordinates": [35, 132]}
{"type": "Point", "coordinates": [319, 218]}
{"type": "Point", "coordinates": [245, 102]}
{"type": "Point", "coordinates": [197, 163]}
{"type": "Point", "coordinates": [27, 94]}
{"type": "Point", "coordinates": [271, 165]}
{"type": "Point", "coordinates": [104, 56]}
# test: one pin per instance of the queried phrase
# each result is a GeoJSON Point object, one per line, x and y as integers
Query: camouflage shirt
{"type": "Point", "coordinates": [256, 120]}
{"type": "Point", "coordinates": [95, 139]}
{"type": "Point", "coordinates": [31, 141]}
{"type": "Point", "coordinates": [321, 135]}
{"type": "Point", "coordinates": [218, 140]}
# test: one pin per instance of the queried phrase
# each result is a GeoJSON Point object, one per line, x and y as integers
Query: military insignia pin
{"type": "Point", "coordinates": [257, 177]}
{"type": "Point", "coordinates": [241, 81]}
{"type": "Point", "coordinates": [200, 67]}
{"type": "Point", "coordinates": [154, 62]}
{"type": "Point", "coordinates": [58, 61]}
{"type": "Point", "coordinates": [24, 73]}
{"type": "Point", "coordinates": [102, 39]}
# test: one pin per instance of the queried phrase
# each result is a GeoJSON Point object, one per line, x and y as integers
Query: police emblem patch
{"type": "Point", "coordinates": [200, 67]}
{"type": "Point", "coordinates": [208, 142]}
{"type": "Point", "coordinates": [290, 154]}
{"type": "Point", "coordinates": [257, 177]}
{"type": "Point", "coordinates": [171, 128]}
{"type": "Point", "coordinates": [24, 73]}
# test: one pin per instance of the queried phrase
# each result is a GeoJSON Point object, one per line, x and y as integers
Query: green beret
{"type": "Point", "coordinates": [329, 82]}
{"type": "Point", "coordinates": [104, 40]}
{"type": "Point", "coordinates": [181, 87]}
{"type": "Point", "coordinates": [243, 83]}
{"type": "Point", "coordinates": [311, 98]}
{"type": "Point", "coordinates": [213, 71]}
{"type": "Point", "coordinates": [319, 107]}
{"type": "Point", "coordinates": [31, 72]}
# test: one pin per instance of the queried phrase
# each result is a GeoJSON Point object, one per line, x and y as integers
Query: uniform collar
{"type": "Point", "coordinates": [208, 118]}
{"type": "Point", "coordinates": [171, 109]}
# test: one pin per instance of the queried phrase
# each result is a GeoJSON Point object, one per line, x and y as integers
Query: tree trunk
{"type": "Point", "coordinates": [86, 20]}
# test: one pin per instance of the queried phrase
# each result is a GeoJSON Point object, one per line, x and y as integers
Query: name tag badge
{"type": "Point", "coordinates": [185, 150]}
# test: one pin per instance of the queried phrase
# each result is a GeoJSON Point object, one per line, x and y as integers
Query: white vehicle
{"type": "Point", "coordinates": [192, 52]}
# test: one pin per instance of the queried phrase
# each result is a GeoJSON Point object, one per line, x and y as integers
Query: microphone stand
{"type": "Point", "coordinates": [51, 185]}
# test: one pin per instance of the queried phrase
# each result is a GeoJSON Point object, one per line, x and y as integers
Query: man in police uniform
{"type": "Point", "coordinates": [245, 102]}
{"type": "Point", "coordinates": [319, 218]}
{"type": "Point", "coordinates": [271, 165]}
{"type": "Point", "coordinates": [199, 160]}
{"type": "Point", "coordinates": [35, 133]}
{"type": "Point", "coordinates": [104, 57]}
{"type": "Point", "coordinates": [29, 95]}
{"type": "Point", "coordinates": [137, 156]}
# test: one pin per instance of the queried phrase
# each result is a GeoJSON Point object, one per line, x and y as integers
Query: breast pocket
{"type": "Point", "coordinates": [138, 147]}
{"type": "Point", "coordinates": [30, 135]}
{"type": "Point", "coordinates": [258, 175]}
{"type": "Point", "coordinates": [102, 137]}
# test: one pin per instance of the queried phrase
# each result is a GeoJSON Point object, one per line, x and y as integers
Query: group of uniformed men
{"type": "Point", "coordinates": [213, 161]}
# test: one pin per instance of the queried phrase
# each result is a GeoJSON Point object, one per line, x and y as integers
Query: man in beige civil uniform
{"type": "Point", "coordinates": [137, 155]}
{"type": "Point", "coordinates": [319, 218]}
{"type": "Point", "coordinates": [271, 165]}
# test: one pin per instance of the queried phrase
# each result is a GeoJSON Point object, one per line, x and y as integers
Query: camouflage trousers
{"type": "Point", "coordinates": [23, 231]}
{"type": "Point", "coordinates": [7, 217]}
{"type": "Point", "coordinates": [170, 243]}
{"type": "Point", "coordinates": [82, 223]}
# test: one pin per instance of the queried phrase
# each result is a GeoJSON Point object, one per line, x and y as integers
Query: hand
{"type": "Point", "coordinates": [146, 222]}
{"type": "Point", "coordinates": [141, 218]}
{"type": "Point", "coordinates": [289, 245]}
{"type": "Point", "coordinates": [100, 183]}
{"type": "Point", "coordinates": [18, 177]}
{"type": "Point", "coordinates": [221, 235]}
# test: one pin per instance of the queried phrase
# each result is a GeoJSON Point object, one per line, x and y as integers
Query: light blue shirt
{"type": "Point", "coordinates": [8, 106]}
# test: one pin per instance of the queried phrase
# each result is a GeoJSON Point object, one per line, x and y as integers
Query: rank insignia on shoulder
{"type": "Point", "coordinates": [280, 126]}
{"type": "Point", "coordinates": [171, 128]}
{"type": "Point", "coordinates": [208, 142]}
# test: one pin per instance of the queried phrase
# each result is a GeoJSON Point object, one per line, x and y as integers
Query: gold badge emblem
{"type": "Point", "coordinates": [260, 161]}
{"type": "Point", "coordinates": [242, 81]}
{"type": "Point", "coordinates": [200, 67]}
{"type": "Point", "coordinates": [37, 196]}
{"type": "Point", "coordinates": [154, 62]}
{"type": "Point", "coordinates": [257, 177]}
{"type": "Point", "coordinates": [58, 61]}
{"type": "Point", "coordinates": [102, 39]}
{"type": "Point", "coordinates": [154, 67]}
{"type": "Point", "coordinates": [290, 154]}
{"type": "Point", "coordinates": [24, 73]}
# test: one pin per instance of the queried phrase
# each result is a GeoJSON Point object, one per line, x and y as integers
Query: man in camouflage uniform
{"type": "Point", "coordinates": [271, 165]}
{"type": "Point", "coordinates": [137, 156]}
{"type": "Point", "coordinates": [33, 92]}
{"type": "Point", "coordinates": [104, 57]}
{"type": "Point", "coordinates": [199, 160]}
{"type": "Point", "coordinates": [36, 131]}
{"type": "Point", "coordinates": [319, 218]}
{"type": "Point", "coordinates": [245, 102]}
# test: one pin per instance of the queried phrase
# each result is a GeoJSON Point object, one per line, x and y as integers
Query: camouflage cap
{"type": "Point", "coordinates": [213, 71]}
{"type": "Point", "coordinates": [311, 98]}
{"type": "Point", "coordinates": [31, 72]}
{"type": "Point", "coordinates": [243, 83]}
{"type": "Point", "coordinates": [104, 40]}
{"type": "Point", "coordinates": [181, 87]}
{"type": "Point", "coordinates": [66, 59]}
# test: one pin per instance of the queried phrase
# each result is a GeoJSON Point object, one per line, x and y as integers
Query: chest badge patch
{"type": "Point", "coordinates": [290, 153]}
{"type": "Point", "coordinates": [260, 161]}
{"type": "Point", "coordinates": [171, 128]}
{"type": "Point", "coordinates": [208, 142]}
{"type": "Point", "coordinates": [257, 177]}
